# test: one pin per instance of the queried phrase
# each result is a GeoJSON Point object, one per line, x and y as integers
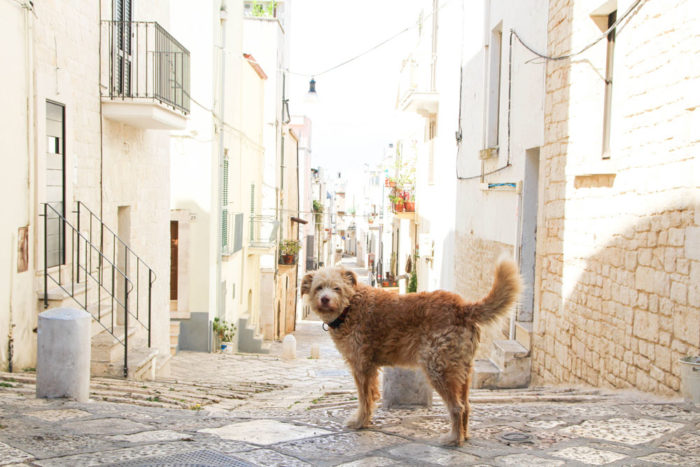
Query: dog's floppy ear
{"type": "Point", "coordinates": [350, 277]}
{"type": "Point", "coordinates": [306, 283]}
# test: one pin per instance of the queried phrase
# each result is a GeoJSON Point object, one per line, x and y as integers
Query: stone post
{"type": "Point", "coordinates": [402, 386]}
{"type": "Point", "coordinates": [289, 347]}
{"type": "Point", "coordinates": [63, 354]}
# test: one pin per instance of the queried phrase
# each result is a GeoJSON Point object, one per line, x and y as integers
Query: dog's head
{"type": "Point", "coordinates": [329, 291]}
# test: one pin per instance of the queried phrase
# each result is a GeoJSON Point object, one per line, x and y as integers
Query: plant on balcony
{"type": "Point", "coordinates": [264, 9]}
{"type": "Point", "coordinates": [412, 282]}
{"type": "Point", "coordinates": [225, 331]}
{"type": "Point", "coordinates": [289, 250]}
{"type": "Point", "coordinates": [397, 202]}
{"type": "Point", "coordinates": [390, 182]}
{"type": "Point", "coordinates": [318, 212]}
{"type": "Point", "coordinates": [409, 202]}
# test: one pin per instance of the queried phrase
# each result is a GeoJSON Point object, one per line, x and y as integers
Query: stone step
{"type": "Point", "coordinates": [106, 347]}
{"type": "Point", "coordinates": [141, 362]}
{"type": "Point", "coordinates": [174, 332]}
{"type": "Point", "coordinates": [180, 315]}
{"type": "Point", "coordinates": [249, 341]}
{"type": "Point", "coordinates": [504, 352]}
{"type": "Point", "coordinates": [485, 374]}
{"type": "Point", "coordinates": [175, 327]}
{"type": "Point", "coordinates": [58, 294]}
{"type": "Point", "coordinates": [523, 333]}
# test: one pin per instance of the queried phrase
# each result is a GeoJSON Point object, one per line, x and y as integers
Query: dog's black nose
{"type": "Point", "coordinates": [325, 300]}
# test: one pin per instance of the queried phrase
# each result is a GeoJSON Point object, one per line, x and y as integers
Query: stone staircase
{"type": "Point", "coordinates": [106, 352]}
{"type": "Point", "coordinates": [509, 364]}
{"type": "Point", "coordinates": [248, 340]}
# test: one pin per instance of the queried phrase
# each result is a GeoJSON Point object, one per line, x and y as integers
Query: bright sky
{"type": "Point", "coordinates": [352, 122]}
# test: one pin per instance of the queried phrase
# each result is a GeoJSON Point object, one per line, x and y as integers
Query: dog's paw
{"type": "Point", "coordinates": [356, 423]}
{"type": "Point", "coordinates": [450, 439]}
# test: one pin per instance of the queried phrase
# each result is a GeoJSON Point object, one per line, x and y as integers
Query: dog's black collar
{"type": "Point", "coordinates": [335, 324]}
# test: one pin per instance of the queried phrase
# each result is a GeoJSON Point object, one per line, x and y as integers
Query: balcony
{"type": "Point", "coordinates": [145, 76]}
{"type": "Point", "coordinates": [263, 233]}
{"type": "Point", "coordinates": [414, 85]}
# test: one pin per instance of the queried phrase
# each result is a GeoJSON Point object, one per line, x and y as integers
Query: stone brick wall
{"type": "Point", "coordinates": [618, 274]}
{"type": "Point", "coordinates": [475, 263]}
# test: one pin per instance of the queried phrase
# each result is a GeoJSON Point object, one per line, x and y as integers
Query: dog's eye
{"type": "Point", "coordinates": [318, 288]}
{"type": "Point", "coordinates": [337, 289]}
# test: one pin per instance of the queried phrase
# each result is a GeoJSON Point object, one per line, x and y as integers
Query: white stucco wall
{"type": "Point", "coordinates": [17, 301]}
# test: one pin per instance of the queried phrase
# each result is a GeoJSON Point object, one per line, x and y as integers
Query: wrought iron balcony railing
{"type": "Point", "coordinates": [263, 231]}
{"type": "Point", "coordinates": [145, 63]}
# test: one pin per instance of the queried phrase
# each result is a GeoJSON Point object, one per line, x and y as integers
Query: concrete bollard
{"type": "Point", "coordinates": [403, 386]}
{"type": "Point", "coordinates": [289, 347]}
{"type": "Point", "coordinates": [63, 354]}
{"type": "Point", "coordinates": [315, 351]}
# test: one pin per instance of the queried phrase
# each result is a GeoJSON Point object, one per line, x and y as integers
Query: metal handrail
{"type": "Point", "coordinates": [80, 208]}
{"type": "Point", "coordinates": [99, 275]}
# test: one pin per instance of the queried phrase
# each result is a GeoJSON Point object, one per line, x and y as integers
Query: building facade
{"type": "Point", "coordinates": [618, 263]}
{"type": "Point", "coordinates": [91, 150]}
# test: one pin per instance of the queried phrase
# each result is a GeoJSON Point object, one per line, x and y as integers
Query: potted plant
{"type": "Point", "coordinates": [318, 212]}
{"type": "Point", "coordinates": [289, 250]}
{"type": "Point", "coordinates": [225, 332]}
{"type": "Point", "coordinates": [396, 202]}
{"type": "Point", "coordinates": [409, 202]}
{"type": "Point", "coordinates": [390, 182]}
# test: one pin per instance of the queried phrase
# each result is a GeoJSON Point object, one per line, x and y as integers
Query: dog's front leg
{"type": "Point", "coordinates": [367, 382]}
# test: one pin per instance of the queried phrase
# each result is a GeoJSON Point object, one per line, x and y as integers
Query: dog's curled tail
{"type": "Point", "coordinates": [503, 295]}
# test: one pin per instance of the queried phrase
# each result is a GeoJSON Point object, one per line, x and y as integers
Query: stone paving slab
{"type": "Point", "coordinates": [642, 432]}
{"type": "Point", "coordinates": [262, 410]}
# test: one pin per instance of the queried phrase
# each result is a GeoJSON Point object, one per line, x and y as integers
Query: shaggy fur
{"type": "Point", "coordinates": [436, 331]}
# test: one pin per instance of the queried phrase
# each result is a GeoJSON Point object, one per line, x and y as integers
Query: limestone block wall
{"type": "Point", "coordinates": [475, 263]}
{"type": "Point", "coordinates": [618, 272]}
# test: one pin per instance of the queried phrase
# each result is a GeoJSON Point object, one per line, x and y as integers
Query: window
{"type": "Point", "coordinates": [494, 89]}
{"type": "Point", "coordinates": [432, 133]}
{"type": "Point", "coordinates": [607, 109]}
{"type": "Point", "coordinates": [237, 232]}
{"type": "Point", "coordinates": [224, 207]}
{"type": "Point", "coordinates": [121, 14]}
{"type": "Point", "coordinates": [55, 183]}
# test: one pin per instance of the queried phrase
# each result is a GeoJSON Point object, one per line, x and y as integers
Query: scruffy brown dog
{"type": "Point", "coordinates": [436, 331]}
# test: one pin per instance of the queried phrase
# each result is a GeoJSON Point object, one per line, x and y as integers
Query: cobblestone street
{"type": "Point", "coordinates": [263, 410]}
{"type": "Point", "coordinates": [243, 409]}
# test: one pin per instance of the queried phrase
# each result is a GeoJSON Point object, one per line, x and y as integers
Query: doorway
{"type": "Point", "coordinates": [528, 239]}
{"type": "Point", "coordinates": [174, 237]}
{"type": "Point", "coordinates": [55, 184]}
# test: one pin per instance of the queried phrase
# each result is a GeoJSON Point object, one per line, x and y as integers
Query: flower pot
{"type": "Point", "coordinates": [398, 207]}
{"type": "Point", "coordinates": [288, 259]}
{"type": "Point", "coordinates": [409, 206]}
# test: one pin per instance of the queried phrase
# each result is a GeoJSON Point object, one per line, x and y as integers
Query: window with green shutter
{"type": "Point", "coordinates": [224, 209]}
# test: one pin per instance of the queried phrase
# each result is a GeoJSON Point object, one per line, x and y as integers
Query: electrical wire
{"type": "Point", "coordinates": [376, 46]}
{"type": "Point", "coordinates": [631, 11]}
{"type": "Point", "coordinates": [617, 24]}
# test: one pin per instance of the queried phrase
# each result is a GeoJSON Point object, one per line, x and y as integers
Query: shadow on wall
{"type": "Point", "coordinates": [633, 309]}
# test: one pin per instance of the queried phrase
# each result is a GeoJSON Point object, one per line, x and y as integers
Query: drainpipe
{"type": "Point", "coordinates": [433, 58]}
{"type": "Point", "coordinates": [223, 15]}
{"type": "Point", "coordinates": [484, 130]}
{"type": "Point", "coordinates": [31, 160]}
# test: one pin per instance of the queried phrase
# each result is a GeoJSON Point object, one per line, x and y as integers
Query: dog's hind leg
{"type": "Point", "coordinates": [449, 383]}
{"type": "Point", "coordinates": [367, 382]}
{"type": "Point", "coordinates": [465, 402]}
